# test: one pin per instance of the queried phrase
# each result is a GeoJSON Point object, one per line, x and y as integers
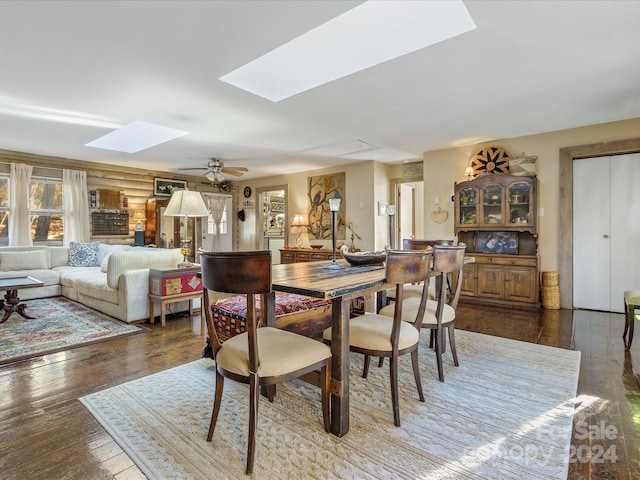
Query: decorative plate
{"type": "Point", "coordinates": [247, 192]}
{"type": "Point", "coordinates": [490, 160]}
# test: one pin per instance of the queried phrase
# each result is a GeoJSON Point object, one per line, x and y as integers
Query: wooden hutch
{"type": "Point", "coordinates": [496, 216]}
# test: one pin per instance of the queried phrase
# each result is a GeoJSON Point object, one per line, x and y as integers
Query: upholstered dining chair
{"type": "Point", "coordinates": [381, 336]}
{"type": "Point", "coordinates": [440, 314]}
{"type": "Point", "coordinates": [631, 302]}
{"type": "Point", "coordinates": [262, 356]}
{"type": "Point", "coordinates": [415, 290]}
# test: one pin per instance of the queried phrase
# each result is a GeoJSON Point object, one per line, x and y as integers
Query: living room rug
{"type": "Point", "coordinates": [505, 413]}
{"type": "Point", "coordinates": [60, 324]}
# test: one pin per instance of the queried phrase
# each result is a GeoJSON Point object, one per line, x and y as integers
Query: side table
{"type": "Point", "coordinates": [172, 284]}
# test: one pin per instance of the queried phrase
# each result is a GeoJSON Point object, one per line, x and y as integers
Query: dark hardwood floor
{"type": "Point", "coordinates": [45, 433]}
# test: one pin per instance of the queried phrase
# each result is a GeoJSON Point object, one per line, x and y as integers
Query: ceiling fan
{"type": "Point", "coordinates": [215, 170]}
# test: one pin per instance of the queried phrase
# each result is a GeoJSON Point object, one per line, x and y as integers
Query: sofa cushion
{"type": "Point", "coordinates": [68, 275]}
{"type": "Point", "coordinates": [105, 249]}
{"type": "Point", "coordinates": [94, 284]}
{"type": "Point", "coordinates": [28, 260]}
{"type": "Point", "coordinates": [83, 254]}
{"type": "Point", "coordinates": [48, 277]}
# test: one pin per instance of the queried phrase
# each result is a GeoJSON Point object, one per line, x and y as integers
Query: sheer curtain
{"type": "Point", "coordinates": [216, 208]}
{"type": "Point", "coordinates": [76, 206]}
{"type": "Point", "coordinates": [19, 224]}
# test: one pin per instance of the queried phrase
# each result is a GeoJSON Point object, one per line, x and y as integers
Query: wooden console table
{"type": "Point", "coordinates": [297, 255]}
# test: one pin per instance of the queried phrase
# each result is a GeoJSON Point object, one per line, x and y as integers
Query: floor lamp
{"type": "Point", "coordinates": [334, 206]}
{"type": "Point", "coordinates": [186, 203]}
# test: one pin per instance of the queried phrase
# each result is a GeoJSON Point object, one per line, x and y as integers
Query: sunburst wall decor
{"type": "Point", "coordinates": [490, 160]}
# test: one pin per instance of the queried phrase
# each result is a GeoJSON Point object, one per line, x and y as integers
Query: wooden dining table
{"type": "Point", "coordinates": [339, 283]}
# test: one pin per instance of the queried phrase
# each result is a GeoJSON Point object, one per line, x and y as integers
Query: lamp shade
{"type": "Point", "coordinates": [298, 221]}
{"type": "Point", "coordinates": [186, 203]}
{"type": "Point", "coordinates": [334, 204]}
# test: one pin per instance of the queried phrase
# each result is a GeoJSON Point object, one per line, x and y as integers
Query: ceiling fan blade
{"type": "Point", "coordinates": [232, 172]}
{"type": "Point", "coordinates": [194, 168]}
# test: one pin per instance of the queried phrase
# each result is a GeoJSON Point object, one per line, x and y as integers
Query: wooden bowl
{"type": "Point", "coordinates": [363, 258]}
{"type": "Point", "coordinates": [316, 247]}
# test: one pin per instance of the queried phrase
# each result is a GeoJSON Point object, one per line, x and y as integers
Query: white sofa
{"type": "Point", "coordinates": [118, 287]}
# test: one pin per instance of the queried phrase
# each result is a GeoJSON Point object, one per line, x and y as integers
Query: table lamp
{"type": "Point", "coordinates": [299, 225]}
{"type": "Point", "coordinates": [186, 203]}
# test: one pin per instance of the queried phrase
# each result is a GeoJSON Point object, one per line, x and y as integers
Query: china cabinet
{"type": "Point", "coordinates": [496, 216]}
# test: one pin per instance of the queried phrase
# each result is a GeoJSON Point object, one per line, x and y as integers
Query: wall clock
{"type": "Point", "coordinates": [490, 160]}
{"type": "Point", "coordinates": [247, 192]}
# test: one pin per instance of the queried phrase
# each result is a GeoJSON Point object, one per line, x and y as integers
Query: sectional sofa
{"type": "Point", "coordinates": [113, 279]}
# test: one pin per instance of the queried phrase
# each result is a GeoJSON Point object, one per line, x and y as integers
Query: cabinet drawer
{"type": "Point", "coordinates": [480, 259]}
{"type": "Point", "coordinates": [521, 262]}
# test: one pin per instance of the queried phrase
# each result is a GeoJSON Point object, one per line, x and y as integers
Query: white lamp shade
{"type": "Point", "coordinates": [334, 204]}
{"type": "Point", "coordinates": [186, 203]}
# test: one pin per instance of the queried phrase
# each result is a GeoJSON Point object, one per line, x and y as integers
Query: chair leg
{"type": "Point", "coordinates": [380, 362]}
{"type": "Point", "coordinates": [217, 400]}
{"type": "Point", "coordinates": [254, 400]}
{"type": "Point", "coordinates": [452, 342]}
{"type": "Point", "coordinates": [365, 368]}
{"type": "Point", "coordinates": [439, 342]}
{"type": "Point", "coordinates": [631, 310]}
{"type": "Point", "coordinates": [626, 323]}
{"type": "Point", "coordinates": [325, 383]}
{"type": "Point", "coordinates": [416, 373]}
{"type": "Point", "coordinates": [395, 400]}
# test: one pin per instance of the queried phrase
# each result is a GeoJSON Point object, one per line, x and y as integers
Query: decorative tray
{"type": "Point", "coordinates": [363, 258]}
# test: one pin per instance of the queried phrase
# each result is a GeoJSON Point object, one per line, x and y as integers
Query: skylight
{"type": "Point", "coordinates": [136, 136]}
{"type": "Point", "coordinates": [367, 35]}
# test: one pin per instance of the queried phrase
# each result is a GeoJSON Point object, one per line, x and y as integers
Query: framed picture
{"type": "Point", "coordinates": [497, 242]}
{"type": "Point", "coordinates": [164, 187]}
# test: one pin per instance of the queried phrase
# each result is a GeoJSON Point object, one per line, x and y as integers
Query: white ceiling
{"type": "Point", "coordinates": [72, 71]}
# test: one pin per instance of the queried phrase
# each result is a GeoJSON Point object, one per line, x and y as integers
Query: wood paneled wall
{"type": "Point", "coordinates": [135, 183]}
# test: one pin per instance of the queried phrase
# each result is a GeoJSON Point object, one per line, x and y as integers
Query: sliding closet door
{"type": "Point", "coordinates": [591, 235]}
{"type": "Point", "coordinates": [606, 232]}
{"type": "Point", "coordinates": [625, 227]}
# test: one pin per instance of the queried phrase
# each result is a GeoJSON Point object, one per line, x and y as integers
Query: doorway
{"type": "Point", "coordinates": [606, 231]}
{"type": "Point", "coordinates": [408, 197]}
{"type": "Point", "coordinates": [217, 230]}
{"type": "Point", "coordinates": [272, 221]}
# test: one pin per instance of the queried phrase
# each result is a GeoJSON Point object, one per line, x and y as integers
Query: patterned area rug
{"type": "Point", "coordinates": [60, 324]}
{"type": "Point", "coordinates": [505, 413]}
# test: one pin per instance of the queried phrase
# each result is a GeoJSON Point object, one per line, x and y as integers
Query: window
{"type": "Point", "coordinates": [4, 209]}
{"type": "Point", "coordinates": [47, 210]}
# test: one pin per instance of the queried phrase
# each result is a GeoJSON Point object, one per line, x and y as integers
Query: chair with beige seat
{"type": "Point", "coordinates": [260, 356]}
{"type": "Point", "coordinates": [631, 302]}
{"type": "Point", "coordinates": [439, 315]}
{"type": "Point", "coordinates": [381, 336]}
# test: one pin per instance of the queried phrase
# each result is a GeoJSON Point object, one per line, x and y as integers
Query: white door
{"type": "Point", "coordinates": [406, 213]}
{"type": "Point", "coordinates": [223, 242]}
{"type": "Point", "coordinates": [606, 231]}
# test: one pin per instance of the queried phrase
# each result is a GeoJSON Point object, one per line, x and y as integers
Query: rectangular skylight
{"type": "Point", "coordinates": [367, 35]}
{"type": "Point", "coordinates": [136, 136]}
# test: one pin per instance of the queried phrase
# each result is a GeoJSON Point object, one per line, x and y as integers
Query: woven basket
{"type": "Point", "coordinates": [550, 279]}
{"type": "Point", "coordinates": [551, 297]}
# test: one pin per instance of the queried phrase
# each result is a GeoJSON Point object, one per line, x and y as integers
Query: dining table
{"type": "Point", "coordinates": [338, 282]}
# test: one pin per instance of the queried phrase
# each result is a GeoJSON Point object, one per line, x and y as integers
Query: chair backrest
{"type": "Point", "coordinates": [247, 273]}
{"type": "Point", "coordinates": [403, 267]}
{"type": "Point", "coordinates": [448, 260]}
{"type": "Point", "coordinates": [417, 244]}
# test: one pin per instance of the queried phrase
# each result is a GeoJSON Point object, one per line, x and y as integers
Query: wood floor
{"type": "Point", "coordinates": [45, 433]}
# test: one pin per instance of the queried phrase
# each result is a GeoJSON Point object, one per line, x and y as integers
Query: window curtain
{"type": "Point", "coordinates": [19, 221]}
{"type": "Point", "coordinates": [216, 208]}
{"type": "Point", "coordinates": [76, 206]}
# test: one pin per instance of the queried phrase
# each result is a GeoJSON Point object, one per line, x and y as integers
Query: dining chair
{"type": "Point", "coordinates": [415, 290]}
{"type": "Point", "coordinates": [378, 335]}
{"type": "Point", "coordinates": [440, 314]}
{"type": "Point", "coordinates": [262, 356]}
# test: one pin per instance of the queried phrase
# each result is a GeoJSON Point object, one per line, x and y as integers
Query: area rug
{"type": "Point", "coordinates": [505, 413]}
{"type": "Point", "coordinates": [60, 324]}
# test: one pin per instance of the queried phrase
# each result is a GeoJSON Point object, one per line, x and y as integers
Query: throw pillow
{"type": "Point", "coordinates": [83, 254]}
{"type": "Point", "coordinates": [27, 260]}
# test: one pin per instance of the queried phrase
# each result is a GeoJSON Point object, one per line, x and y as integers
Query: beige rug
{"type": "Point", "coordinates": [505, 413]}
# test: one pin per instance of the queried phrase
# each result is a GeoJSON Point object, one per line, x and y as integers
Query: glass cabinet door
{"type": "Point", "coordinates": [492, 201]}
{"type": "Point", "coordinates": [519, 196]}
{"type": "Point", "coordinates": [468, 203]}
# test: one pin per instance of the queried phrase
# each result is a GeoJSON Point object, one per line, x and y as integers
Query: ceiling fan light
{"type": "Point", "coordinates": [218, 176]}
{"type": "Point", "coordinates": [211, 176]}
